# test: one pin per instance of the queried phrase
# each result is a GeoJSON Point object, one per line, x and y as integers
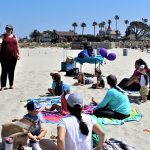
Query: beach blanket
{"type": "Point", "coordinates": [135, 116]}
{"type": "Point", "coordinates": [55, 117]}
{"type": "Point", "coordinates": [44, 101]}
{"type": "Point", "coordinates": [117, 144]}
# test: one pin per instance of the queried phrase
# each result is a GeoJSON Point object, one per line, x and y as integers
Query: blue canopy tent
{"type": "Point", "coordinates": [91, 60]}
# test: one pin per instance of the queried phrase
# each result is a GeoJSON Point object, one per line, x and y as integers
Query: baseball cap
{"type": "Point", "coordinates": [142, 66]}
{"type": "Point", "coordinates": [9, 26]}
{"type": "Point", "coordinates": [74, 99]}
{"type": "Point", "coordinates": [31, 106]}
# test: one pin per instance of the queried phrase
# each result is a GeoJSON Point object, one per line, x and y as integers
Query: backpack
{"type": "Point", "coordinates": [59, 88]}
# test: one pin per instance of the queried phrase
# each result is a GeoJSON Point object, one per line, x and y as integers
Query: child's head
{"type": "Point", "coordinates": [142, 69]}
{"type": "Point", "coordinates": [81, 75]}
{"type": "Point", "coordinates": [55, 76]}
{"type": "Point", "coordinates": [33, 108]}
{"type": "Point", "coordinates": [98, 72]}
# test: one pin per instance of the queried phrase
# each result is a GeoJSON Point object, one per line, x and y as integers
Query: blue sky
{"type": "Point", "coordinates": [27, 15]}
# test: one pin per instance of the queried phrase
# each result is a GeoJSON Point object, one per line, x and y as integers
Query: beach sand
{"type": "Point", "coordinates": [32, 80]}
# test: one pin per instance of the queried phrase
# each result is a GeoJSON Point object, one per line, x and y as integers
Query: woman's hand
{"type": "Point", "coordinates": [34, 138]}
{"type": "Point", "coordinates": [18, 56]}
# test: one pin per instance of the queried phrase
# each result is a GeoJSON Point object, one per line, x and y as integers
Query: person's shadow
{"type": "Point", "coordinates": [46, 95]}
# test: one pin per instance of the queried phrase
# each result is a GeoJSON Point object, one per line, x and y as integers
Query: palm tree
{"type": "Point", "coordinates": [74, 26]}
{"type": "Point", "coordinates": [126, 22]}
{"type": "Point", "coordinates": [83, 25]}
{"type": "Point", "coordinates": [116, 18]}
{"type": "Point", "coordinates": [94, 25]}
{"type": "Point", "coordinates": [35, 35]}
{"type": "Point", "coordinates": [109, 22]}
{"type": "Point", "coordinates": [144, 20]}
{"type": "Point", "coordinates": [103, 25]}
{"type": "Point", "coordinates": [100, 26]}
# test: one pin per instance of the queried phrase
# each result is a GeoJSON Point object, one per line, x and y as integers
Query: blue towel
{"type": "Point", "coordinates": [46, 101]}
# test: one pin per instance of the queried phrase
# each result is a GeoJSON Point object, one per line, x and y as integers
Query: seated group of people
{"type": "Point", "coordinates": [75, 130]}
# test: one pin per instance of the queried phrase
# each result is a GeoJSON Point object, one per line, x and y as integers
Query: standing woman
{"type": "Point", "coordinates": [9, 54]}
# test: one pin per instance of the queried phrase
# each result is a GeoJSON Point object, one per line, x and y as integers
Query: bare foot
{"type": "Point", "coordinates": [11, 87]}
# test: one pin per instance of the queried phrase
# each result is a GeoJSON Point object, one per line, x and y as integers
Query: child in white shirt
{"type": "Point", "coordinates": [144, 82]}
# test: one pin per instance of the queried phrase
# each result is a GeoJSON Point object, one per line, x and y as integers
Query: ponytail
{"type": "Point", "coordinates": [142, 62]}
{"type": "Point", "coordinates": [76, 111]}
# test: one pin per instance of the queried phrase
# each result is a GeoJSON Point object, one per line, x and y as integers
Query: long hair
{"type": "Point", "coordinates": [81, 75]}
{"type": "Point", "coordinates": [112, 81]}
{"type": "Point", "coordinates": [141, 62]}
{"type": "Point", "coordinates": [56, 76]}
{"type": "Point", "coordinates": [76, 111]}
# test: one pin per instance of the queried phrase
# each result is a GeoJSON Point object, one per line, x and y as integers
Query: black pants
{"type": "Point", "coordinates": [8, 68]}
{"type": "Point", "coordinates": [133, 87]}
{"type": "Point", "coordinates": [107, 113]}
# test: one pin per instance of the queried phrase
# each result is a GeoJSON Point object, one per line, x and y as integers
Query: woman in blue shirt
{"type": "Point", "coordinates": [115, 103]}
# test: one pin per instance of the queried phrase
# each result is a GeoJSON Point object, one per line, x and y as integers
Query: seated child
{"type": "Point", "coordinates": [144, 82]}
{"type": "Point", "coordinates": [38, 133]}
{"type": "Point", "coordinates": [63, 108]}
{"type": "Point", "coordinates": [56, 89]}
{"type": "Point", "coordinates": [100, 81]}
{"type": "Point", "coordinates": [82, 80]}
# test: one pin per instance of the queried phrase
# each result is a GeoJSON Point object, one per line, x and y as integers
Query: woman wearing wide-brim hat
{"type": "Point", "coordinates": [9, 54]}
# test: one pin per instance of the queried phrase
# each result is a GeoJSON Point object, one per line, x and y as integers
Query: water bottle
{"type": "Point", "coordinates": [9, 143]}
{"type": "Point", "coordinates": [36, 146]}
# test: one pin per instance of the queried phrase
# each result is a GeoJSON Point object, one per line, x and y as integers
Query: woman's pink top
{"type": "Point", "coordinates": [136, 73]}
{"type": "Point", "coordinates": [9, 47]}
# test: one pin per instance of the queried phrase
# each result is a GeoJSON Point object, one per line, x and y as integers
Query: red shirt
{"type": "Point", "coordinates": [136, 73]}
{"type": "Point", "coordinates": [9, 47]}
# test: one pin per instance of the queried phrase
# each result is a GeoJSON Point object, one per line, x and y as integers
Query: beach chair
{"type": "Point", "coordinates": [18, 131]}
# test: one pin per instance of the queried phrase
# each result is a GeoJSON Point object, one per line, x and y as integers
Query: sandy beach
{"type": "Point", "coordinates": [32, 80]}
